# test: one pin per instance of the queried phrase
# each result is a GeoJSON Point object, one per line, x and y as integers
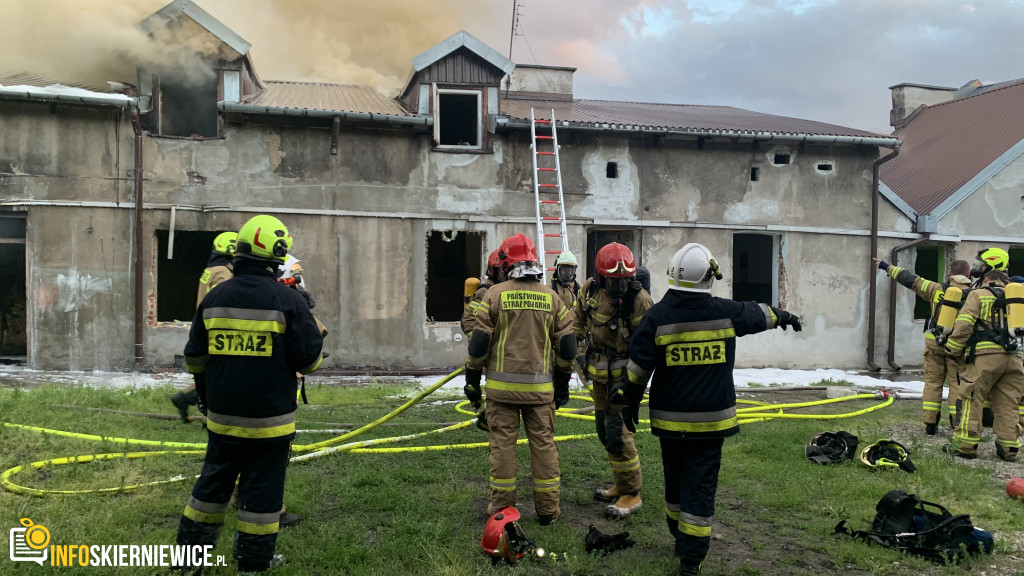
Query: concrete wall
{"type": "Point", "coordinates": [361, 219]}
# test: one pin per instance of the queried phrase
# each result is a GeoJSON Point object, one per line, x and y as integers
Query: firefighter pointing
{"type": "Point", "coordinates": [687, 341]}
{"type": "Point", "coordinates": [523, 336]}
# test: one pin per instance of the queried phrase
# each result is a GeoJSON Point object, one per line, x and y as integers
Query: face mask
{"type": "Point", "coordinates": [617, 286]}
{"type": "Point", "coordinates": [979, 270]}
{"type": "Point", "coordinates": [566, 274]}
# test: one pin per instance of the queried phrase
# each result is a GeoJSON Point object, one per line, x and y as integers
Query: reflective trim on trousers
{"type": "Point", "coordinates": [503, 484]}
{"type": "Point", "coordinates": [205, 512]}
{"type": "Point", "coordinates": [547, 485]}
{"type": "Point", "coordinates": [625, 465]}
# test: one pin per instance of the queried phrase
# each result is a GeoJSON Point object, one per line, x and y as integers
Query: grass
{"type": "Point", "coordinates": [423, 513]}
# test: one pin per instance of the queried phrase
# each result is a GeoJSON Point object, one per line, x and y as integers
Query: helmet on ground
{"type": "Point", "coordinates": [264, 237]}
{"type": "Point", "coordinates": [693, 269]}
{"type": "Point", "coordinates": [224, 243]}
{"type": "Point", "coordinates": [518, 256]}
{"type": "Point", "coordinates": [887, 454]}
{"type": "Point", "coordinates": [831, 447]}
{"type": "Point", "coordinates": [565, 267]}
{"type": "Point", "coordinates": [990, 259]}
{"type": "Point", "coordinates": [504, 538]}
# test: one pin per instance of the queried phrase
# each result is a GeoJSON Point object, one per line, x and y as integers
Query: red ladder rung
{"type": "Point", "coordinates": [546, 169]}
{"type": "Point", "coordinates": [542, 121]}
{"type": "Point", "coordinates": [539, 137]}
{"type": "Point", "coordinates": [549, 201]}
{"type": "Point", "coordinates": [552, 251]}
{"type": "Point", "coordinates": [551, 218]}
{"type": "Point", "coordinates": [545, 153]}
{"type": "Point", "coordinates": [548, 185]}
{"type": "Point", "coordinates": [552, 235]}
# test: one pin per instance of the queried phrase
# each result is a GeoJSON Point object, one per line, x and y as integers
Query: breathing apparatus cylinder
{"type": "Point", "coordinates": [951, 301]}
{"type": "Point", "coordinates": [1014, 294]}
{"type": "Point", "coordinates": [470, 288]}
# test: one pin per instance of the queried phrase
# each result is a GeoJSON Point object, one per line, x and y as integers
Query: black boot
{"type": "Point", "coordinates": [1006, 454]}
{"type": "Point", "coordinates": [687, 568]}
{"type": "Point", "coordinates": [182, 400]}
{"type": "Point", "coordinates": [931, 428]}
{"type": "Point", "coordinates": [288, 519]}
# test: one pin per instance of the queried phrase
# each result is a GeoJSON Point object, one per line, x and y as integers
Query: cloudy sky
{"type": "Point", "coordinates": [825, 60]}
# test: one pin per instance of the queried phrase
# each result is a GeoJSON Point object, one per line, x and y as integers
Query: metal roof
{"type": "Point", "coordinates": [201, 17]}
{"type": "Point", "coordinates": [950, 149]}
{"type": "Point", "coordinates": [456, 41]}
{"type": "Point", "coordinates": [321, 97]}
{"type": "Point", "coordinates": [23, 79]}
{"type": "Point", "coordinates": [682, 117]}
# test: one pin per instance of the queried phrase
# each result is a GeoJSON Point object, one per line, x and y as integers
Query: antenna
{"type": "Point", "coordinates": [515, 25]}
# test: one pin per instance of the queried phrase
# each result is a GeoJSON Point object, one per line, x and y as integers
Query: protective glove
{"type": "Point", "coordinates": [200, 382]}
{"type": "Point", "coordinates": [306, 296]}
{"type": "Point", "coordinates": [631, 416]}
{"type": "Point", "coordinates": [787, 319]}
{"type": "Point", "coordinates": [561, 388]}
{"type": "Point", "coordinates": [472, 387]}
{"type": "Point", "coordinates": [883, 265]}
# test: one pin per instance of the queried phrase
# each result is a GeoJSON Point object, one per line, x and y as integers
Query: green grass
{"type": "Point", "coordinates": [423, 513]}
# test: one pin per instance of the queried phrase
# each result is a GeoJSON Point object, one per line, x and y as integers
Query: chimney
{"type": "Point", "coordinates": [906, 98]}
{"type": "Point", "coordinates": [528, 80]}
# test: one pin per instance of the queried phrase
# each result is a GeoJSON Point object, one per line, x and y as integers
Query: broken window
{"type": "Point", "coordinates": [452, 256]}
{"type": "Point", "coordinates": [930, 265]}
{"type": "Point", "coordinates": [13, 297]}
{"type": "Point", "coordinates": [186, 104]}
{"type": "Point", "coordinates": [458, 119]}
{"type": "Point", "coordinates": [754, 268]}
{"type": "Point", "coordinates": [177, 278]}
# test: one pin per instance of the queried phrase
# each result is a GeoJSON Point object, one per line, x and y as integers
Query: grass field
{"type": "Point", "coordinates": [423, 512]}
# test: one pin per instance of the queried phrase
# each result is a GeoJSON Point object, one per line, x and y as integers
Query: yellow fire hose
{"type": "Point", "coordinates": [758, 412]}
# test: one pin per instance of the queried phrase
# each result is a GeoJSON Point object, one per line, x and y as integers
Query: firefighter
{"type": "Point", "coordinates": [938, 367]}
{"type": "Point", "coordinates": [990, 367]}
{"type": "Point", "coordinates": [492, 276]}
{"type": "Point", "coordinates": [247, 341]}
{"type": "Point", "coordinates": [218, 270]}
{"type": "Point", "coordinates": [608, 310]}
{"type": "Point", "coordinates": [564, 279]}
{"type": "Point", "coordinates": [688, 342]}
{"type": "Point", "coordinates": [523, 336]}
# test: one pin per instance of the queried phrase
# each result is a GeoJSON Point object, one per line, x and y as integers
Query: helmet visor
{"type": "Point", "coordinates": [618, 286]}
{"type": "Point", "coordinates": [566, 273]}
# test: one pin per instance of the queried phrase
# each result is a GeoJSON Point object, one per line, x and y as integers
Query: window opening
{"type": "Point", "coordinates": [188, 104]}
{"type": "Point", "coordinates": [755, 174]}
{"type": "Point", "coordinates": [452, 256]}
{"type": "Point", "coordinates": [1016, 267]}
{"type": "Point", "coordinates": [612, 170]}
{"type": "Point", "coordinates": [13, 294]}
{"type": "Point", "coordinates": [825, 167]}
{"type": "Point", "coordinates": [458, 118]}
{"type": "Point", "coordinates": [754, 268]}
{"type": "Point", "coordinates": [931, 265]}
{"type": "Point", "coordinates": [780, 159]}
{"type": "Point", "coordinates": [177, 280]}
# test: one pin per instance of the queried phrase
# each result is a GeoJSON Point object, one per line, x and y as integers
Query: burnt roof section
{"type": "Point", "coordinates": [201, 17]}
{"type": "Point", "coordinates": [950, 149]}
{"type": "Point", "coordinates": [675, 117]}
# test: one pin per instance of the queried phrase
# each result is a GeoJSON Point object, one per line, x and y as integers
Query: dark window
{"type": "Point", "coordinates": [1016, 267]}
{"type": "Point", "coordinates": [781, 159]}
{"type": "Point", "coordinates": [452, 256]}
{"type": "Point", "coordinates": [459, 120]}
{"type": "Point", "coordinates": [177, 280]}
{"type": "Point", "coordinates": [188, 104]}
{"type": "Point", "coordinates": [755, 174]}
{"type": "Point", "coordinates": [752, 269]}
{"type": "Point", "coordinates": [931, 264]}
{"type": "Point", "coordinates": [611, 170]}
{"type": "Point", "coordinates": [13, 297]}
{"type": "Point", "coordinates": [597, 239]}
{"type": "Point", "coordinates": [825, 167]}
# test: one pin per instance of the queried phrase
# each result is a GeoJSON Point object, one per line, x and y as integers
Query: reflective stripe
{"type": "Point", "coordinates": [243, 427]}
{"type": "Point", "coordinates": [966, 318]}
{"type": "Point", "coordinates": [678, 327]}
{"type": "Point", "coordinates": [564, 312]}
{"type": "Point", "coordinates": [203, 517]}
{"type": "Point", "coordinates": [1008, 443]}
{"type": "Point", "coordinates": [637, 375]}
{"type": "Point", "coordinates": [702, 521]}
{"type": "Point", "coordinates": [519, 378]}
{"type": "Point", "coordinates": [258, 529]}
{"type": "Point", "coordinates": [548, 386]}
{"type": "Point", "coordinates": [694, 426]}
{"type": "Point", "coordinates": [207, 507]}
{"type": "Point", "coordinates": [263, 518]}
{"type": "Point", "coordinates": [477, 306]}
{"type": "Point", "coordinates": [274, 316]}
{"type": "Point", "coordinates": [1021, 409]}
{"type": "Point", "coordinates": [503, 484]}
{"type": "Point", "coordinates": [312, 367]}
{"type": "Point", "coordinates": [697, 336]}
{"type": "Point", "coordinates": [929, 336]}
{"type": "Point", "coordinates": [196, 364]}
{"type": "Point", "coordinates": [894, 271]}
{"type": "Point", "coordinates": [547, 485]}
{"type": "Point", "coordinates": [691, 530]}
{"type": "Point", "coordinates": [625, 465]}
{"type": "Point", "coordinates": [931, 406]}
{"type": "Point", "coordinates": [713, 416]}
{"type": "Point", "coordinates": [769, 316]}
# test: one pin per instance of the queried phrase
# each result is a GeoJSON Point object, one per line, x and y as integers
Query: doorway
{"type": "Point", "coordinates": [13, 293]}
{"type": "Point", "coordinates": [598, 238]}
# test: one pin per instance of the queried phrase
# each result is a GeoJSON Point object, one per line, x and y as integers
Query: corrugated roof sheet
{"type": "Point", "coordinates": [673, 117]}
{"type": "Point", "coordinates": [23, 79]}
{"type": "Point", "coordinates": [326, 97]}
{"type": "Point", "coordinates": [948, 144]}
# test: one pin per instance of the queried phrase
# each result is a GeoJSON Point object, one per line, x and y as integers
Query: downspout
{"type": "Point", "coordinates": [891, 353]}
{"type": "Point", "coordinates": [872, 288]}
{"type": "Point", "coordinates": [137, 127]}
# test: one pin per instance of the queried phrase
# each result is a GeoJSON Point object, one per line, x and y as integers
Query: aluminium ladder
{"type": "Point", "coordinates": [547, 188]}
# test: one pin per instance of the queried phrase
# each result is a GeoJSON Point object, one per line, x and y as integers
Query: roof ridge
{"type": "Point", "coordinates": [317, 83]}
{"type": "Point", "coordinates": [1012, 84]}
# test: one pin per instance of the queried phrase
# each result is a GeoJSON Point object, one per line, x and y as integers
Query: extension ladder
{"type": "Point", "coordinates": [547, 188]}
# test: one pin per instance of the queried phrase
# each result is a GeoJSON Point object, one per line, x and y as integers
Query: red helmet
{"type": "Point", "coordinates": [494, 265]}
{"type": "Point", "coordinates": [518, 248]}
{"type": "Point", "coordinates": [615, 261]}
{"type": "Point", "coordinates": [504, 538]}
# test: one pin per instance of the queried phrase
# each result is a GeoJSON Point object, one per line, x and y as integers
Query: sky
{"type": "Point", "coordinates": [825, 60]}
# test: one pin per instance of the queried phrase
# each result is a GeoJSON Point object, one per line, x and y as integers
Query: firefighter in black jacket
{"type": "Point", "coordinates": [248, 339]}
{"type": "Point", "coordinates": [688, 342]}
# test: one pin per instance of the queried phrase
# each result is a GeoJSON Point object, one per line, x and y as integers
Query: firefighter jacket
{"type": "Point", "coordinates": [525, 321]}
{"type": "Point", "coordinates": [929, 291]}
{"type": "Point", "coordinates": [688, 342]}
{"type": "Point", "coordinates": [218, 270]}
{"type": "Point", "coordinates": [469, 312]}
{"type": "Point", "coordinates": [248, 339]}
{"type": "Point", "coordinates": [607, 331]}
{"type": "Point", "coordinates": [567, 292]}
{"type": "Point", "coordinates": [980, 328]}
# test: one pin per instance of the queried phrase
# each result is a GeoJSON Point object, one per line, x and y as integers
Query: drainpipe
{"type": "Point", "coordinates": [891, 352]}
{"type": "Point", "coordinates": [872, 288]}
{"type": "Point", "coordinates": [137, 127]}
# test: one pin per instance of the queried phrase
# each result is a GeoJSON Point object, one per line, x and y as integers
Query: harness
{"type": "Point", "coordinates": [621, 319]}
{"type": "Point", "coordinates": [999, 331]}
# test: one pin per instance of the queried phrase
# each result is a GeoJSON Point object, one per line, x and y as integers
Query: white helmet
{"type": "Point", "coordinates": [692, 269]}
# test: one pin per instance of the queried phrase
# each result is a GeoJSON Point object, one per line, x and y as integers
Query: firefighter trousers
{"type": "Point", "coordinates": [539, 422]}
{"type": "Point", "coordinates": [617, 441]}
{"type": "Point", "coordinates": [1000, 379]}
{"type": "Point", "coordinates": [260, 471]}
{"type": "Point", "coordinates": [939, 370]}
{"type": "Point", "coordinates": [691, 480]}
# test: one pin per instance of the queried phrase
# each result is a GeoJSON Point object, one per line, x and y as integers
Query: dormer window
{"type": "Point", "coordinates": [457, 119]}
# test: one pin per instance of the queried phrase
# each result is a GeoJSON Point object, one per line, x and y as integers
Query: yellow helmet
{"type": "Point", "coordinates": [224, 243]}
{"type": "Point", "coordinates": [995, 258]}
{"type": "Point", "coordinates": [264, 237]}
